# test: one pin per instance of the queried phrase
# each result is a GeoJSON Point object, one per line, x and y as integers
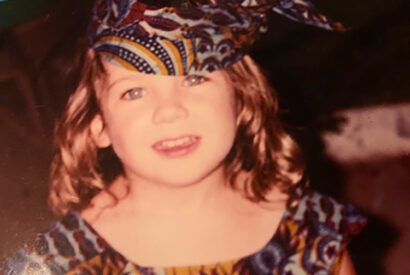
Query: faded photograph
{"type": "Point", "coordinates": [205, 137]}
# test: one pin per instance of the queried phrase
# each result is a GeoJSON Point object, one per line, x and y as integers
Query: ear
{"type": "Point", "coordinates": [99, 132]}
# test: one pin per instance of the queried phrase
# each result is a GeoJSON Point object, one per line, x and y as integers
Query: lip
{"type": "Point", "coordinates": [177, 151]}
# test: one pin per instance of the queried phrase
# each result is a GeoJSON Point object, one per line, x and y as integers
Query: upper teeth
{"type": "Point", "coordinates": [177, 142]}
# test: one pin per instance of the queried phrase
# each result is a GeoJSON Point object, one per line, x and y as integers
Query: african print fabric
{"type": "Point", "coordinates": [188, 37]}
{"type": "Point", "coordinates": [313, 233]}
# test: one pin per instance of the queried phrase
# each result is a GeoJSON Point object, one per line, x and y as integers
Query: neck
{"type": "Point", "coordinates": [155, 199]}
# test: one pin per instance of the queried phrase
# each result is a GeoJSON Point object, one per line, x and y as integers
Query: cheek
{"type": "Point", "coordinates": [225, 107]}
{"type": "Point", "coordinates": [221, 117]}
{"type": "Point", "coordinates": [126, 131]}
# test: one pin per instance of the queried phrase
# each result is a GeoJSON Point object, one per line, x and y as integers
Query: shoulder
{"type": "Point", "coordinates": [320, 228]}
{"type": "Point", "coordinates": [67, 243]}
{"type": "Point", "coordinates": [327, 215]}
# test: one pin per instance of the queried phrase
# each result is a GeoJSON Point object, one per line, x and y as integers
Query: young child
{"type": "Point", "coordinates": [170, 157]}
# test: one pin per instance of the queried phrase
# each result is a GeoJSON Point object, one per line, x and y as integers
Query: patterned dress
{"type": "Point", "coordinates": [313, 233]}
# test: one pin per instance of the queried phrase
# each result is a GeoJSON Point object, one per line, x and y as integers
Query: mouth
{"type": "Point", "coordinates": [177, 147]}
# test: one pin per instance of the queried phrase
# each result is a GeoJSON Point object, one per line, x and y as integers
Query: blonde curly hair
{"type": "Point", "coordinates": [262, 148]}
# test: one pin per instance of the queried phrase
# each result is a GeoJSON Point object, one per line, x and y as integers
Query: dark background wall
{"type": "Point", "coordinates": [316, 73]}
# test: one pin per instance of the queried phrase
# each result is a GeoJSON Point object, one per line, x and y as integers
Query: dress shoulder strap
{"type": "Point", "coordinates": [67, 243]}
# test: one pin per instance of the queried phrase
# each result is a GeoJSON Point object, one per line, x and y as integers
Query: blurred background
{"type": "Point", "coordinates": [345, 97]}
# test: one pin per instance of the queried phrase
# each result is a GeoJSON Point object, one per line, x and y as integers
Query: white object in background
{"type": "Point", "coordinates": [373, 132]}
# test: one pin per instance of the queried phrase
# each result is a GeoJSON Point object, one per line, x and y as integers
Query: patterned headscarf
{"type": "Point", "coordinates": [183, 37]}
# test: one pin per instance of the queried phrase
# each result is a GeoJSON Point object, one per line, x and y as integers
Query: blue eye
{"type": "Point", "coordinates": [134, 93]}
{"type": "Point", "coordinates": [193, 80]}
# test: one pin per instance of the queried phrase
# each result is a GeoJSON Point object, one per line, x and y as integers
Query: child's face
{"type": "Point", "coordinates": [142, 112]}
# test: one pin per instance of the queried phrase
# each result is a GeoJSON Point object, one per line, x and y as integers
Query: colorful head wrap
{"type": "Point", "coordinates": [184, 37]}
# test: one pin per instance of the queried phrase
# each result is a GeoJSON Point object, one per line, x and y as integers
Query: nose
{"type": "Point", "coordinates": [169, 108]}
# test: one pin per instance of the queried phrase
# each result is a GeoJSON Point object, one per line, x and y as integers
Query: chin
{"type": "Point", "coordinates": [183, 176]}
{"type": "Point", "coordinates": [180, 172]}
